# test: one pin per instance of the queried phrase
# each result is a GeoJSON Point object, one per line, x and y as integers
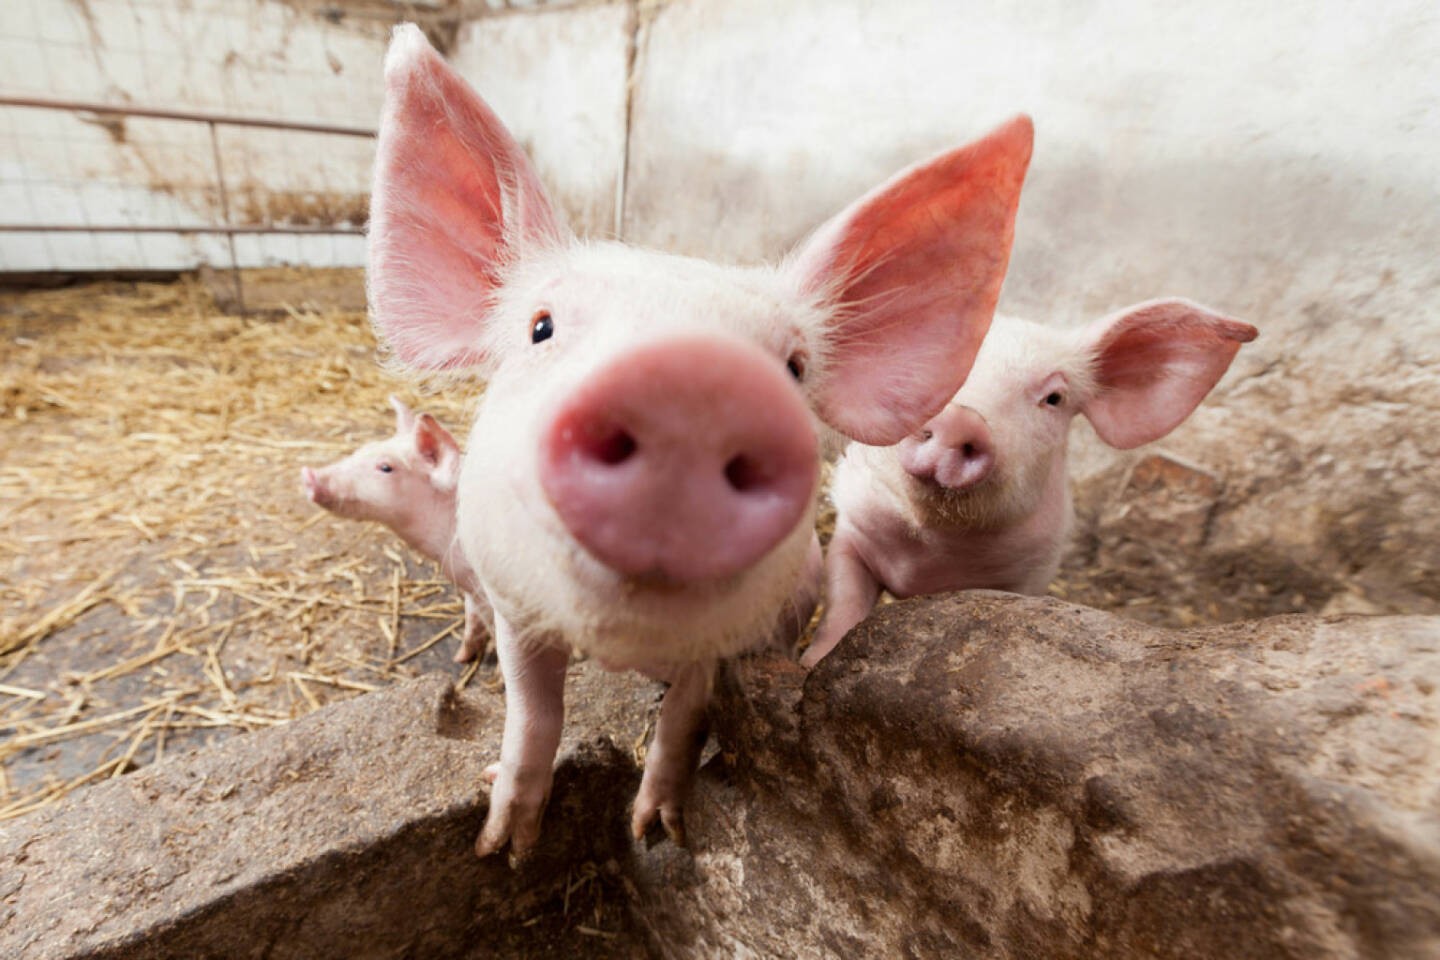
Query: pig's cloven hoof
{"type": "Point", "coordinates": [471, 647]}
{"type": "Point", "coordinates": [517, 805]}
{"type": "Point", "coordinates": [670, 811]}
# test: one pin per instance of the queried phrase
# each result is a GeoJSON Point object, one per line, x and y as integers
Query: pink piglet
{"type": "Point", "coordinates": [407, 482]}
{"type": "Point", "coordinates": [979, 496]}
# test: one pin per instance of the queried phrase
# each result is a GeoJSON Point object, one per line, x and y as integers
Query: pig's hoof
{"type": "Point", "coordinates": [816, 652]}
{"type": "Point", "coordinates": [671, 814]}
{"type": "Point", "coordinates": [470, 648]}
{"type": "Point", "coordinates": [516, 809]}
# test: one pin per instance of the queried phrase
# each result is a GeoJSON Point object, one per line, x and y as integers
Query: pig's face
{"type": "Point", "coordinates": [997, 450]}
{"type": "Point", "coordinates": [987, 459]}
{"type": "Point", "coordinates": [650, 428]}
{"type": "Point", "coordinates": [702, 369]}
{"type": "Point", "coordinates": [376, 482]}
{"type": "Point", "coordinates": [400, 481]}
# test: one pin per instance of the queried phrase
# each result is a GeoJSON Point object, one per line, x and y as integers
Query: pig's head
{"type": "Point", "coordinates": [398, 481]}
{"type": "Point", "coordinates": [997, 450]}
{"type": "Point", "coordinates": [650, 425]}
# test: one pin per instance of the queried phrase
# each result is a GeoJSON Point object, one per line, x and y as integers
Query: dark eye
{"type": "Point", "coordinates": [384, 468]}
{"type": "Point", "coordinates": [796, 366]}
{"type": "Point", "coordinates": [542, 328]}
{"type": "Point", "coordinates": [1054, 399]}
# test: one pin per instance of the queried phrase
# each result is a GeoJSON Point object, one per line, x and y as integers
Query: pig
{"type": "Point", "coordinates": [642, 470]}
{"type": "Point", "coordinates": [407, 482]}
{"type": "Point", "coordinates": [978, 497]}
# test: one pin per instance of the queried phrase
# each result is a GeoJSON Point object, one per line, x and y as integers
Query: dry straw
{"type": "Point", "coordinates": [160, 572]}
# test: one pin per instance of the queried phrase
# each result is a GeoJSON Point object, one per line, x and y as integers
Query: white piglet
{"type": "Point", "coordinates": [979, 497]}
{"type": "Point", "coordinates": [407, 482]}
{"type": "Point", "coordinates": [650, 427]}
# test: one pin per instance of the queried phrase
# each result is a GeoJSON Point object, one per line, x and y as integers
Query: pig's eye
{"type": "Point", "coordinates": [384, 468]}
{"type": "Point", "coordinates": [796, 366]}
{"type": "Point", "coordinates": [1054, 398]}
{"type": "Point", "coordinates": [542, 328]}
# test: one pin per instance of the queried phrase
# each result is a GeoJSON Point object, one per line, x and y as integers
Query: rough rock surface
{"type": "Point", "coordinates": [346, 834]}
{"type": "Point", "coordinates": [983, 775]}
{"type": "Point", "coordinates": [976, 775]}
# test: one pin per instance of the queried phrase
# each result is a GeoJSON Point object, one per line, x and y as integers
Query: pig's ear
{"type": "Point", "coordinates": [404, 418]}
{"type": "Point", "coordinates": [911, 273]}
{"type": "Point", "coordinates": [438, 450]}
{"type": "Point", "coordinates": [1154, 363]}
{"type": "Point", "coordinates": [454, 199]}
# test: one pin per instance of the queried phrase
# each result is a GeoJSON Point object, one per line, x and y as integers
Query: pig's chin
{"type": "Point", "coordinates": [993, 503]}
{"type": "Point", "coordinates": [546, 584]}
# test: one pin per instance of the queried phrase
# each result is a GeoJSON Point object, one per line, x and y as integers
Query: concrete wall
{"type": "Point", "coordinates": [558, 80]}
{"type": "Point", "coordinates": [252, 58]}
{"type": "Point", "coordinates": [1276, 161]}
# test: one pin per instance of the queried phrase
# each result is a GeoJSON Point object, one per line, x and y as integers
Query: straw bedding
{"type": "Point", "coordinates": [162, 578]}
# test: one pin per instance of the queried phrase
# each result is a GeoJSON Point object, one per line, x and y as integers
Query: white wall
{"type": "Point", "coordinates": [558, 81]}
{"type": "Point", "coordinates": [1279, 161]}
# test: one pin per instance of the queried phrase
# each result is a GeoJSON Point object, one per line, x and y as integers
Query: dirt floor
{"type": "Point", "coordinates": [164, 582]}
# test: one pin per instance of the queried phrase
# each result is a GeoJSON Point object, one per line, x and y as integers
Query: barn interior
{"type": "Point", "coordinates": [183, 199]}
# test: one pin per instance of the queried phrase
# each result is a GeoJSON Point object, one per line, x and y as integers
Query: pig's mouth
{"type": "Point", "coordinates": [655, 581]}
{"type": "Point", "coordinates": [315, 488]}
{"type": "Point", "coordinates": [983, 504]}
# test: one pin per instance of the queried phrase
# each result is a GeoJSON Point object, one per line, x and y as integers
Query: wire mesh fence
{"type": "Point", "coordinates": [150, 134]}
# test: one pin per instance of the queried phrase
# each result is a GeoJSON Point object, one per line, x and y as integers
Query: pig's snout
{"type": "Point", "coordinates": [686, 459]}
{"type": "Point", "coordinates": [954, 449]}
{"type": "Point", "coordinates": [314, 486]}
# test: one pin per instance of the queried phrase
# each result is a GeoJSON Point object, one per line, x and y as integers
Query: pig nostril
{"type": "Point", "coordinates": [742, 473]}
{"type": "Point", "coordinates": [616, 448]}
{"type": "Point", "coordinates": [968, 450]}
{"type": "Point", "coordinates": [612, 448]}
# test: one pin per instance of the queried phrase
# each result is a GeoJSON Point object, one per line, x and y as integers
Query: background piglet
{"type": "Point", "coordinates": [407, 482]}
{"type": "Point", "coordinates": [979, 498]}
{"type": "Point", "coordinates": [651, 423]}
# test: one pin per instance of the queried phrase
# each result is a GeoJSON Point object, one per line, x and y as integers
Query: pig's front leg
{"type": "Point", "coordinates": [680, 732]}
{"type": "Point", "coordinates": [472, 644]}
{"type": "Point", "coordinates": [850, 594]}
{"type": "Point", "coordinates": [534, 713]}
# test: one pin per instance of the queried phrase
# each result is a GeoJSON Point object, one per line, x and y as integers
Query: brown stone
{"type": "Point", "coordinates": [348, 833]}
{"type": "Point", "coordinates": [982, 775]}
{"type": "Point", "coordinates": [974, 775]}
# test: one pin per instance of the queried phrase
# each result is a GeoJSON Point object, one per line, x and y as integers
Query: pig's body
{"type": "Point", "coordinates": [980, 497]}
{"type": "Point", "coordinates": [407, 482]}
{"type": "Point", "coordinates": [651, 425]}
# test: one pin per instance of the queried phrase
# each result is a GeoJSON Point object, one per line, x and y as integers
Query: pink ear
{"type": "Point", "coordinates": [453, 199]}
{"type": "Point", "coordinates": [913, 271]}
{"type": "Point", "coordinates": [437, 448]}
{"type": "Point", "coordinates": [404, 418]}
{"type": "Point", "coordinates": [1154, 363]}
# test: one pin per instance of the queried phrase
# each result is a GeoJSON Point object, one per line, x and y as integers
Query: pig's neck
{"type": "Point", "coordinates": [432, 534]}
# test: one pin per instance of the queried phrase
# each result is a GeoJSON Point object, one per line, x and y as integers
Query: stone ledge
{"type": "Point", "coordinates": [346, 833]}
{"type": "Point", "coordinates": [977, 775]}
{"type": "Point", "coordinates": [992, 776]}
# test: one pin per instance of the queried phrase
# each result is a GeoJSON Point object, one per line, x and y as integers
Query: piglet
{"type": "Point", "coordinates": [979, 497]}
{"type": "Point", "coordinates": [651, 424]}
{"type": "Point", "coordinates": [407, 482]}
